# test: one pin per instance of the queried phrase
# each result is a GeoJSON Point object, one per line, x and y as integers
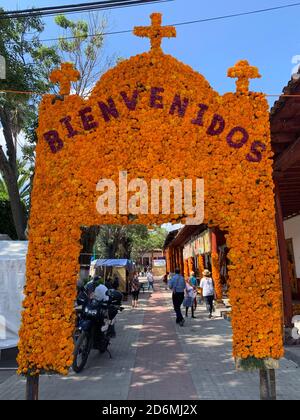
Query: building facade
{"type": "Point", "coordinates": [148, 258]}
{"type": "Point", "coordinates": [285, 131]}
{"type": "Point", "coordinates": [195, 248]}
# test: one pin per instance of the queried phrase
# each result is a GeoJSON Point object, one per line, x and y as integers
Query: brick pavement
{"type": "Point", "coordinates": [154, 359]}
{"type": "Point", "coordinates": [103, 378]}
{"type": "Point", "coordinates": [160, 371]}
{"type": "Point", "coordinates": [208, 344]}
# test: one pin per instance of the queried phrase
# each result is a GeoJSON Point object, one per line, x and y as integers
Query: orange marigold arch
{"type": "Point", "coordinates": [154, 118]}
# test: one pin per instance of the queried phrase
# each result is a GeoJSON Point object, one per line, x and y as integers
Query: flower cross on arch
{"type": "Point", "coordinates": [243, 72]}
{"type": "Point", "coordinates": [155, 32]}
{"type": "Point", "coordinates": [64, 76]}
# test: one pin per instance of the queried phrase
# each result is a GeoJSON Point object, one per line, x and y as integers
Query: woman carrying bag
{"type": "Point", "coordinates": [208, 291]}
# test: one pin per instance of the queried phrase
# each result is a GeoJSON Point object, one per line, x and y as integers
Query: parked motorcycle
{"type": "Point", "coordinates": [95, 325]}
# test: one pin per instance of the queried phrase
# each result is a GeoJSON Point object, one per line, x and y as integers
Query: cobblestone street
{"type": "Point", "coordinates": [153, 359]}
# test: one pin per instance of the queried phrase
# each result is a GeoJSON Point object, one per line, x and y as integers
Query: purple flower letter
{"type": "Point", "coordinates": [217, 126]}
{"type": "Point", "coordinates": [131, 103]}
{"type": "Point", "coordinates": [241, 142]}
{"type": "Point", "coordinates": [200, 116]}
{"type": "Point", "coordinates": [87, 120]}
{"type": "Point", "coordinates": [67, 123]}
{"type": "Point", "coordinates": [256, 149]}
{"type": "Point", "coordinates": [109, 110]}
{"type": "Point", "coordinates": [54, 141]}
{"type": "Point", "coordinates": [156, 101]}
{"type": "Point", "coordinates": [181, 106]}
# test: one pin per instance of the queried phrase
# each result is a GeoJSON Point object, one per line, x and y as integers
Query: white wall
{"type": "Point", "coordinates": [12, 281]}
{"type": "Point", "coordinates": [292, 231]}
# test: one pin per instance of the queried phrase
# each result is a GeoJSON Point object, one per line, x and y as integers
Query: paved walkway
{"type": "Point", "coordinates": [153, 359]}
{"type": "Point", "coordinates": [161, 367]}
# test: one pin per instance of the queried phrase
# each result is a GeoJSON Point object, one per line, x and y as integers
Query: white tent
{"type": "Point", "coordinates": [12, 281]}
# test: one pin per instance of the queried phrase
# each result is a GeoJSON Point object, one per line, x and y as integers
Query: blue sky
{"type": "Point", "coordinates": [268, 41]}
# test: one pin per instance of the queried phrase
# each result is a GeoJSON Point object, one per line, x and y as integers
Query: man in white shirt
{"type": "Point", "coordinates": [100, 293]}
{"type": "Point", "coordinates": [101, 296]}
{"type": "Point", "coordinates": [208, 291]}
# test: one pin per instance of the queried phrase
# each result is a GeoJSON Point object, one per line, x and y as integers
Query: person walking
{"type": "Point", "coordinates": [108, 283]}
{"type": "Point", "coordinates": [150, 279]}
{"type": "Point", "coordinates": [177, 285]}
{"type": "Point", "coordinates": [194, 283]}
{"type": "Point", "coordinates": [135, 290]}
{"type": "Point", "coordinates": [116, 283]}
{"type": "Point", "coordinates": [208, 291]}
{"type": "Point", "coordinates": [189, 299]}
{"type": "Point", "coordinates": [165, 280]}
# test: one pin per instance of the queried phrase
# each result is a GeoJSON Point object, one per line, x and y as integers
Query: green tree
{"type": "Point", "coordinates": [85, 51]}
{"type": "Point", "coordinates": [24, 182]}
{"type": "Point", "coordinates": [118, 241]}
{"type": "Point", "coordinates": [28, 66]}
{"type": "Point", "coordinates": [129, 242]}
{"type": "Point", "coordinates": [25, 71]}
{"type": "Point", "coordinates": [154, 240]}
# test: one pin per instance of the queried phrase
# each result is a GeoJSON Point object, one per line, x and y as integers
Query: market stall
{"type": "Point", "coordinates": [123, 269]}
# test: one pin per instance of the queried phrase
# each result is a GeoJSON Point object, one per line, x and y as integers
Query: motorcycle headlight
{"type": "Point", "coordinates": [91, 312]}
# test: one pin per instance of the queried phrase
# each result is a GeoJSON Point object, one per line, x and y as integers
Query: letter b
{"type": "Point", "coordinates": [54, 141]}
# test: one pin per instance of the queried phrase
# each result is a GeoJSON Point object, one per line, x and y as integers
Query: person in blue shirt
{"type": "Point", "coordinates": [178, 286]}
{"type": "Point", "coordinates": [193, 280]}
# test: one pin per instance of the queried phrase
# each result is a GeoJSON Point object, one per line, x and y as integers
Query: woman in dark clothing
{"type": "Point", "coordinates": [165, 280]}
{"type": "Point", "coordinates": [135, 290]}
{"type": "Point", "coordinates": [116, 283]}
{"type": "Point", "coordinates": [108, 283]}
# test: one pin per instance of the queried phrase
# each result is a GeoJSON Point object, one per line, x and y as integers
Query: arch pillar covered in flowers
{"type": "Point", "coordinates": [155, 118]}
{"type": "Point", "coordinates": [216, 266]}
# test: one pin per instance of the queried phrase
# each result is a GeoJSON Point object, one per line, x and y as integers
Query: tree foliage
{"type": "Point", "coordinates": [117, 241]}
{"type": "Point", "coordinates": [24, 183]}
{"type": "Point", "coordinates": [129, 242]}
{"type": "Point", "coordinates": [85, 51]}
{"type": "Point", "coordinates": [155, 240]}
{"type": "Point", "coordinates": [27, 64]}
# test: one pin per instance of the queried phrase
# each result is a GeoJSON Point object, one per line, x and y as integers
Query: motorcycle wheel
{"type": "Point", "coordinates": [105, 342]}
{"type": "Point", "coordinates": [81, 352]}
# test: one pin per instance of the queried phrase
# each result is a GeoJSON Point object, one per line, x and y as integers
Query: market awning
{"type": "Point", "coordinates": [113, 263]}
